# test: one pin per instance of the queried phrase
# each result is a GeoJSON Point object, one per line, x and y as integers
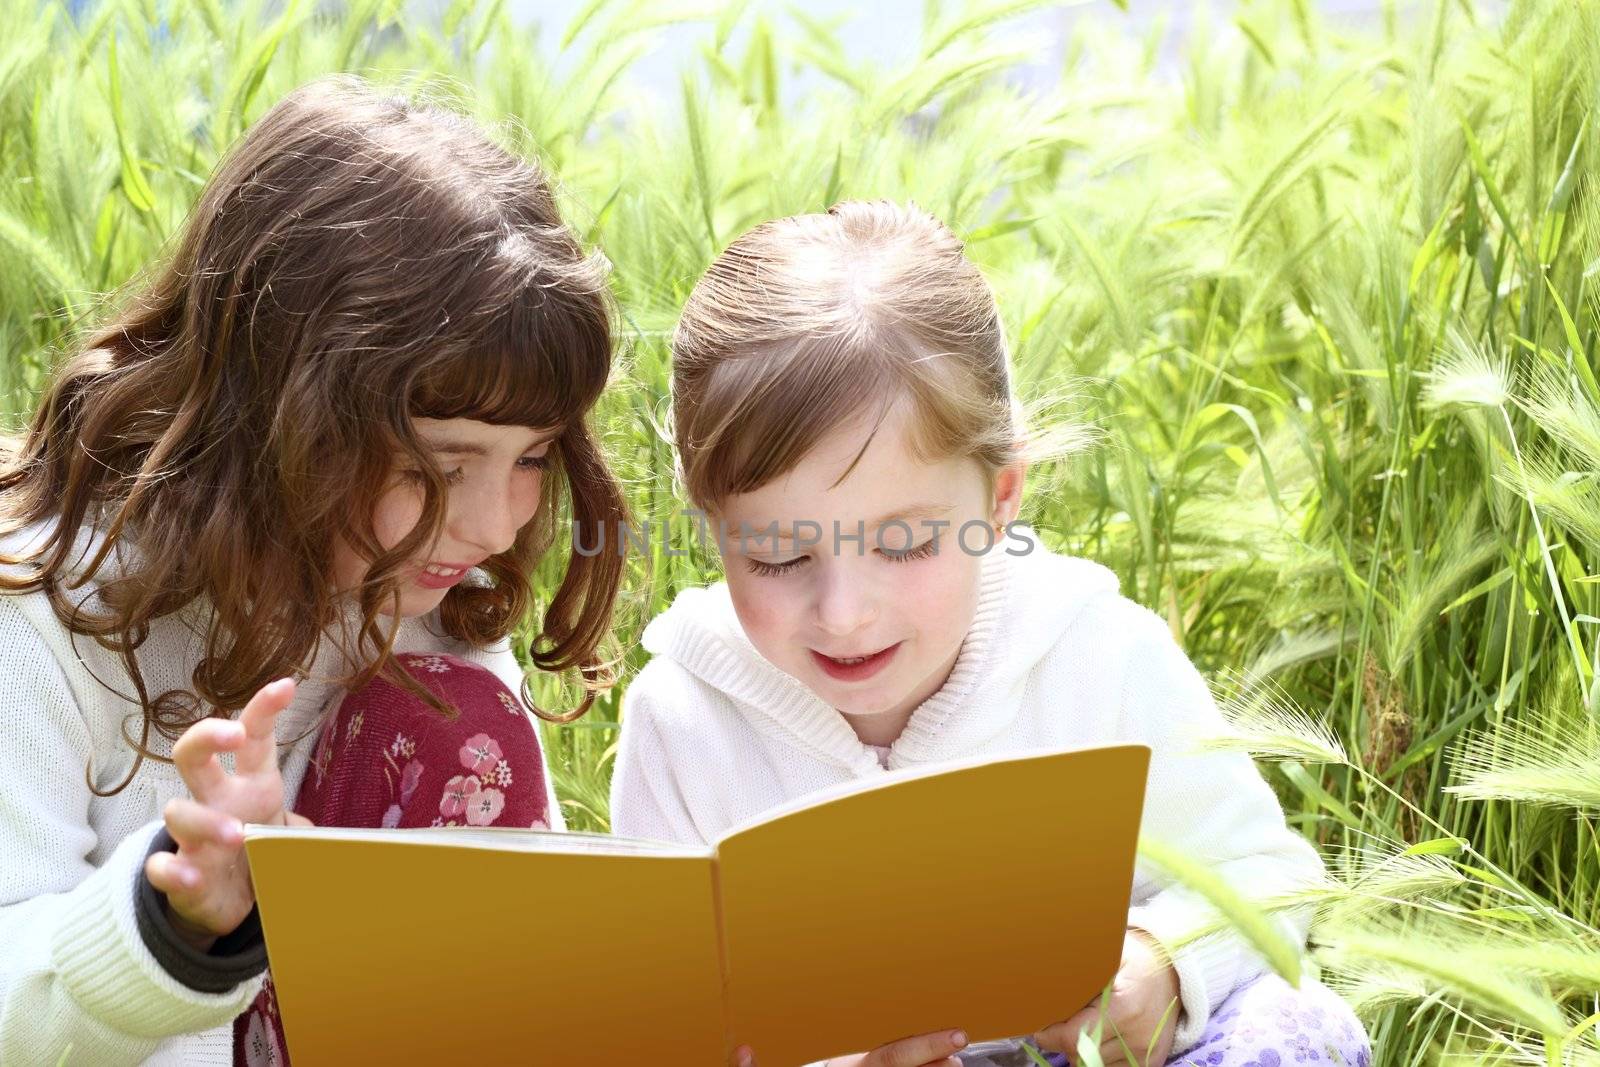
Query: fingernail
{"type": "Point", "coordinates": [236, 830]}
{"type": "Point", "coordinates": [745, 1059]}
{"type": "Point", "coordinates": [959, 1039]}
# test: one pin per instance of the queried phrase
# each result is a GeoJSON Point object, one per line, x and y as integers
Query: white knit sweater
{"type": "Point", "coordinates": [714, 734]}
{"type": "Point", "coordinates": [73, 968]}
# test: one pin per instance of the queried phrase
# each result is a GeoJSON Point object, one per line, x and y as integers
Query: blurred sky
{"type": "Point", "coordinates": [886, 30]}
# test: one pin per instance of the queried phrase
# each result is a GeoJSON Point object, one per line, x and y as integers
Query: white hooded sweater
{"type": "Point", "coordinates": [713, 734]}
{"type": "Point", "coordinates": [74, 969]}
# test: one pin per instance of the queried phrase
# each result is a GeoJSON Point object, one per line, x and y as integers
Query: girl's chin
{"type": "Point", "coordinates": [860, 705]}
{"type": "Point", "coordinates": [416, 601]}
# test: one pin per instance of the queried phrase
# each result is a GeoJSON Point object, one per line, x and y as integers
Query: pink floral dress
{"type": "Point", "coordinates": [386, 759]}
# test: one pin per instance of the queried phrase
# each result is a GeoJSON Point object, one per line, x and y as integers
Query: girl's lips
{"type": "Point", "coordinates": [855, 672]}
{"type": "Point", "coordinates": [429, 580]}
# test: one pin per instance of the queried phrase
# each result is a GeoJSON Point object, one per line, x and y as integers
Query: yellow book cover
{"type": "Point", "coordinates": [988, 895]}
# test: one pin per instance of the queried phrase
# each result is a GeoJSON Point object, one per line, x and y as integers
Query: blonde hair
{"type": "Point", "coordinates": [806, 323]}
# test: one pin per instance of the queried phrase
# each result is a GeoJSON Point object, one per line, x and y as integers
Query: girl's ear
{"type": "Point", "coordinates": [1008, 491]}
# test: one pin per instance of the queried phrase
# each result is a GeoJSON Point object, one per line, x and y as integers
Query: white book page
{"type": "Point", "coordinates": [889, 778]}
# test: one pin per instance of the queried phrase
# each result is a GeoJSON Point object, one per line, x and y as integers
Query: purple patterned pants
{"type": "Point", "coordinates": [1264, 1023]}
{"type": "Point", "coordinates": [1269, 1023]}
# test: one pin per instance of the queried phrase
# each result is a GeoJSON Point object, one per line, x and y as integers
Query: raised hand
{"type": "Point", "coordinates": [207, 880]}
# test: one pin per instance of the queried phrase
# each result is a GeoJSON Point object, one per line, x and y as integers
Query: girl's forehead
{"type": "Point", "coordinates": [880, 482]}
{"type": "Point", "coordinates": [874, 454]}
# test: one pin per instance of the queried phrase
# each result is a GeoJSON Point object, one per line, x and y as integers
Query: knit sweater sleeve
{"type": "Point", "coordinates": [647, 800]}
{"type": "Point", "coordinates": [74, 970]}
{"type": "Point", "coordinates": [1217, 809]}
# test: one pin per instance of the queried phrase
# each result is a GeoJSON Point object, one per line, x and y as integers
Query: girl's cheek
{"type": "Point", "coordinates": [528, 500]}
{"type": "Point", "coordinates": [940, 588]}
{"type": "Point", "coordinates": [761, 604]}
{"type": "Point", "coordinates": [397, 513]}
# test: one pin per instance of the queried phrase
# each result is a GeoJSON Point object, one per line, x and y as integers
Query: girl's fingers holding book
{"type": "Point", "coordinates": [907, 1052]}
{"type": "Point", "coordinates": [934, 1048]}
{"type": "Point", "coordinates": [1063, 1036]}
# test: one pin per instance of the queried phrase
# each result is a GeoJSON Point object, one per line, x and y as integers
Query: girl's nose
{"type": "Point", "coordinates": [845, 601]}
{"type": "Point", "coordinates": [487, 519]}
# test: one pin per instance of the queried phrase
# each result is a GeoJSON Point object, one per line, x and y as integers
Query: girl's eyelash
{"type": "Point", "coordinates": [922, 551]}
{"type": "Point", "coordinates": [454, 477]}
{"type": "Point", "coordinates": [457, 476]}
{"type": "Point", "coordinates": [773, 570]}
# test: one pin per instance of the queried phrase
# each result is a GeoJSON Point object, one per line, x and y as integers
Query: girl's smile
{"type": "Point", "coordinates": [855, 668]}
{"type": "Point", "coordinates": [443, 575]}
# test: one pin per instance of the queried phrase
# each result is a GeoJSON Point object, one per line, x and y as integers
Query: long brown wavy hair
{"type": "Point", "coordinates": [358, 260]}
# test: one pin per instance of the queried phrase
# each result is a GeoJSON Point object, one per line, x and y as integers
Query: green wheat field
{"type": "Point", "coordinates": [1331, 300]}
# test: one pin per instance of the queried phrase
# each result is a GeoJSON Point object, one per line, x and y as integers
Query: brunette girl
{"type": "Point", "coordinates": [314, 458]}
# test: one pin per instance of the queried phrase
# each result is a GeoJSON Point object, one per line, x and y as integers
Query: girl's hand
{"type": "Point", "coordinates": [925, 1050]}
{"type": "Point", "coordinates": [1141, 1013]}
{"type": "Point", "coordinates": [207, 881]}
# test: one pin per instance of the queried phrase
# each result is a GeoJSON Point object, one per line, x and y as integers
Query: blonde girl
{"type": "Point", "coordinates": [843, 412]}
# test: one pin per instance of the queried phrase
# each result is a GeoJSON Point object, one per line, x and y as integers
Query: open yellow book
{"type": "Point", "coordinates": [990, 896]}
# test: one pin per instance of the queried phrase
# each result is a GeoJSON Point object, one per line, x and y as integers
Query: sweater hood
{"type": "Point", "coordinates": [1026, 602]}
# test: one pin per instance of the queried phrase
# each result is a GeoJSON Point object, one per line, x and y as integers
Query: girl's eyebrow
{"type": "Point", "coordinates": [917, 513]}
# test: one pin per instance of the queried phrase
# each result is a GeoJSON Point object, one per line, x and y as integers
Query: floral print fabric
{"type": "Point", "coordinates": [387, 759]}
{"type": "Point", "coordinates": [1269, 1023]}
